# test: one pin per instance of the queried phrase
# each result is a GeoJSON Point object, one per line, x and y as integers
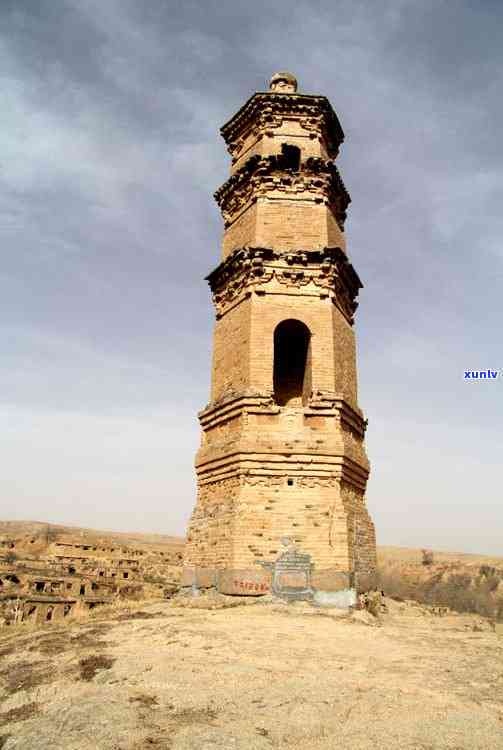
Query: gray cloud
{"type": "Point", "coordinates": [109, 153]}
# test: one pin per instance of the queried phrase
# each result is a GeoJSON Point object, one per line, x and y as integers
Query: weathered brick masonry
{"type": "Point", "coordinates": [282, 451]}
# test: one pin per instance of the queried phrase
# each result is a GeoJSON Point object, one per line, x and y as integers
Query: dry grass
{"type": "Point", "coordinates": [474, 592]}
{"type": "Point", "coordinates": [115, 610]}
{"type": "Point", "coordinates": [147, 701]}
{"type": "Point", "coordinates": [91, 665]}
{"type": "Point", "coordinates": [25, 676]}
{"type": "Point", "coordinates": [52, 645]}
{"type": "Point", "coordinates": [279, 675]}
{"type": "Point", "coordinates": [187, 716]}
{"type": "Point", "coordinates": [53, 642]}
{"type": "Point", "coordinates": [175, 720]}
{"type": "Point", "coordinates": [140, 615]}
{"type": "Point", "coordinates": [90, 638]}
{"type": "Point", "coordinates": [28, 711]}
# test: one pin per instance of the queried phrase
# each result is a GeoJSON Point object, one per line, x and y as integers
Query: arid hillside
{"type": "Point", "coordinates": [39, 528]}
{"type": "Point", "coordinates": [97, 650]}
{"type": "Point", "coordinates": [49, 573]}
{"type": "Point", "coordinates": [460, 581]}
{"type": "Point", "coordinates": [410, 556]}
{"type": "Point", "coordinates": [223, 672]}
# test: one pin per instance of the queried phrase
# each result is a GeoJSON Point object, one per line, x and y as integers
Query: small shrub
{"type": "Point", "coordinates": [51, 534]}
{"type": "Point", "coordinates": [487, 571]}
{"type": "Point", "coordinates": [491, 583]}
{"type": "Point", "coordinates": [428, 558]}
{"type": "Point", "coordinates": [373, 602]}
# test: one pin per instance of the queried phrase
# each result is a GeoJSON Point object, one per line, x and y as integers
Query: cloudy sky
{"type": "Point", "coordinates": [109, 155]}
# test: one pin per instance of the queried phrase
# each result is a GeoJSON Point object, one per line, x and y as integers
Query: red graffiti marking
{"type": "Point", "coordinates": [251, 585]}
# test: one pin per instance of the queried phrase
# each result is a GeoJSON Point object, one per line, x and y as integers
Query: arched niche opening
{"type": "Point", "coordinates": [30, 612]}
{"type": "Point", "coordinates": [290, 157]}
{"type": "Point", "coordinates": [292, 363]}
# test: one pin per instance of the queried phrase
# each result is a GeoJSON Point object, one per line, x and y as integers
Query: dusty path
{"type": "Point", "coordinates": [262, 676]}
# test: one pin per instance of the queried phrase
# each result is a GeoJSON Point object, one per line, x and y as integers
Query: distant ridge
{"type": "Point", "coordinates": [36, 528]}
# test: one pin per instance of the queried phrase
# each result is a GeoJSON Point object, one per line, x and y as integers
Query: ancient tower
{"type": "Point", "coordinates": [282, 454]}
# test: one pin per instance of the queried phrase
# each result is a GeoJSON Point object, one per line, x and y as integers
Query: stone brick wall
{"type": "Point", "coordinates": [284, 224]}
{"type": "Point", "coordinates": [241, 232]}
{"type": "Point", "coordinates": [289, 224]}
{"type": "Point", "coordinates": [342, 358]}
{"type": "Point", "coordinates": [361, 533]}
{"type": "Point", "coordinates": [211, 530]}
{"type": "Point", "coordinates": [294, 466]}
{"type": "Point", "coordinates": [231, 351]}
{"type": "Point", "coordinates": [241, 520]}
{"type": "Point", "coordinates": [267, 141]}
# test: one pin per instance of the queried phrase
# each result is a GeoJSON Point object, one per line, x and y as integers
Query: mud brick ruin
{"type": "Point", "coordinates": [47, 576]}
{"type": "Point", "coordinates": [282, 450]}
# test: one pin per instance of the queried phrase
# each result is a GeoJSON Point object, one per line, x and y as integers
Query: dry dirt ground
{"type": "Point", "coordinates": [264, 675]}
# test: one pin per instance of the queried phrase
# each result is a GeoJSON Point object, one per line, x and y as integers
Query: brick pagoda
{"type": "Point", "coordinates": [282, 457]}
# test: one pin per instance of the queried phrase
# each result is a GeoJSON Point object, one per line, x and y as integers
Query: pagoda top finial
{"type": "Point", "coordinates": [283, 82]}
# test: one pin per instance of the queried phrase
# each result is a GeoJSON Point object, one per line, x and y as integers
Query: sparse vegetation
{"type": "Point", "coordinates": [19, 714]}
{"type": "Point", "coordinates": [162, 676]}
{"type": "Point", "coordinates": [460, 592]}
{"type": "Point", "coordinates": [140, 615]}
{"type": "Point", "coordinates": [156, 580]}
{"type": "Point", "coordinates": [51, 534]}
{"type": "Point", "coordinates": [147, 701]}
{"type": "Point", "coordinates": [90, 665]}
{"type": "Point", "coordinates": [187, 716]}
{"type": "Point", "coordinates": [135, 592]}
{"type": "Point", "coordinates": [25, 676]}
{"type": "Point", "coordinates": [490, 577]}
{"type": "Point", "coordinates": [428, 557]}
